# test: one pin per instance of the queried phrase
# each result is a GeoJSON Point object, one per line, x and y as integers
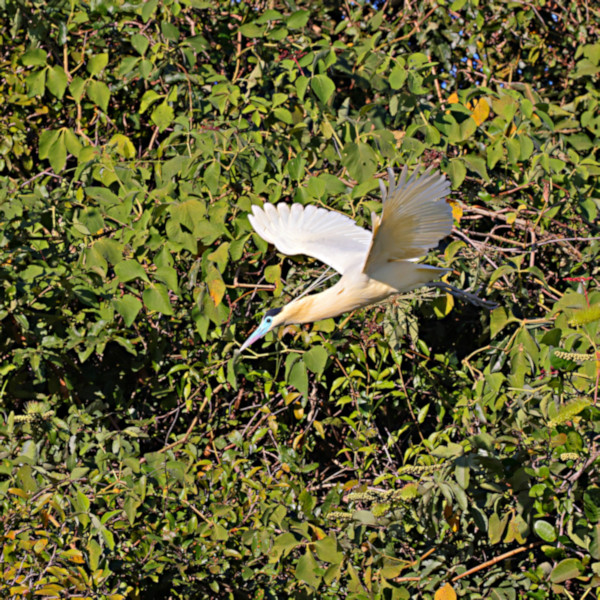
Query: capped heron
{"type": "Point", "coordinates": [373, 265]}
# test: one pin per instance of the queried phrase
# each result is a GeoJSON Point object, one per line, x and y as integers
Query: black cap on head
{"type": "Point", "coordinates": [272, 312]}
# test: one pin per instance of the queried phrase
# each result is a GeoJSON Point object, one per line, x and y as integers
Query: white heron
{"type": "Point", "coordinates": [373, 265]}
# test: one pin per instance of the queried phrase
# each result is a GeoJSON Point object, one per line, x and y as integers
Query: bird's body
{"type": "Point", "coordinates": [374, 265]}
{"type": "Point", "coordinates": [356, 289]}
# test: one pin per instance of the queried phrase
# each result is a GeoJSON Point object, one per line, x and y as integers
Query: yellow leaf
{"type": "Point", "coordinates": [18, 492]}
{"type": "Point", "coordinates": [58, 572]}
{"type": "Point", "coordinates": [290, 397]}
{"type": "Point", "coordinates": [298, 441]}
{"type": "Point", "coordinates": [319, 533]}
{"type": "Point", "coordinates": [74, 555]}
{"type": "Point", "coordinates": [123, 145]}
{"type": "Point", "coordinates": [481, 111]}
{"type": "Point", "coordinates": [319, 427]}
{"type": "Point", "coordinates": [445, 593]}
{"type": "Point", "coordinates": [398, 135]}
{"type": "Point", "coordinates": [216, 289]}
{"type": "Point", "coordinates": [19, 589]}
{"type": "Point", "coordinates": [453, 98]}
{"type": "Point", "coordinates": [457, 211]}
{"type": "Point", "coordinates": [40, 545]}
{"type": "Point", "coordinates": [50, 590]}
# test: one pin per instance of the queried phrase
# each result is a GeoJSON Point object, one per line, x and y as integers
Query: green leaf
{"type": "Point", "coordinates": [323, 87]}
{"type": "Point", "coordinates": [94, 553]}
{"type": "Point", "coordinates": [72, 142]}
{"type": "Point", "coordinates": [56, 81]}
{"type": "Point", "coordinates": [26, 481]}
{"type": "Point", "coordinates": [36, 83]}
{"type": "Point", "coordinates": [123, 145]}
{"type": "Point", "coordinates": [48, 138]}
{"type": "Point", "coordinates": [96, 64]}
{"type": "Point", "coordinates": [513, 149]}
{"type": "Point", "coordinates": [148, 99]}
{"type": "Point", "coordinates": [140, 43]}
{"type": "Point", "coordinates": [327, 549]}
{"type": "Point", "coordinates": [297, 19]}
{"type": "Point", "coordinates": [497, 527]}
{"type": "Point", "coordinates": [467, 128]}
{"type": "Point", "coordinates": [212, 176]}
{"type": "Point", "coordinates": [162, 116]}
{"type": "Point", "coordinates": [360, 160]}
{"type": "Point", "coordinates": [34, 58]}
{"type": "Point", "coordinates": [282, 546]}
{"type": "Point", "coordinates": [130, 507]}
{"type": "Point", "coordinates": [494, 153]}
{"type": "Point", "coordinates": [457, 172]}
{"type": "Point", "coordinates": [170, 31]}
{"type": "Point", "coordinates": [156, 298]}
{"type": "Point", "coordinates": [168, 275]}
{"type": "Point", "coordinates": [99, 94]}
{"type": "Point", "coordinates": [316, 359]}
{"type": "Point", "coordinates": [130, 269]}
{"type": "Point", "coordinates": [398, 76]}
{"type": "Point", "coordinates": [477, 164]}
{"type": "Point", "coordinates": [569, 410]}
{"type": "Point", "coordinates": [91, 219]}
{"type": "Point", "coordinates": [110, 249]}
{"type": "Point", "coordinates": [95, 262]}
{"type": "Point", "coordinates": [299, 378]}
{"type": "Point", "coordinates": [366, 517]}
{"type": "Point", "coordinates": [333, 185]}
{"type": "Point", "coordinates": [251, 30]}
{"type": "Point", "coordinates": [221, 257]}
{"type": "Point", "coordinates": [301, 84]}
{"type": "Point", "coordinates": [77, 88]}
{"type": "Point", "coordinates": [499, 319]}
{"type": "Point", "coordinates": [462, 472]}
{"type": "Point", "coordinates": [296, 167]}
{"type": "Point", "coordinates": [128, 307]}
{"type": "Point", "coordinates": [545, 530]}
{"type": "Point", "coordinates": [57, 153]}
{"type": "Point", "coordinates": [591, 504]}
{"type": "Point", "coordinates": [284, 115]}
{"type": "Point", "coordinates": [566, 569]}
{"type": "Point", "coordinates": [306, 568]}
{"type": "Point", "coordinates": [448, 126]}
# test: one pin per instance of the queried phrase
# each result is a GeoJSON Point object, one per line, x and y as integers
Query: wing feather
{"type": "Point", "coordinates": [330, 237]}
{"type": "Point", "coordinates": [414, 219]}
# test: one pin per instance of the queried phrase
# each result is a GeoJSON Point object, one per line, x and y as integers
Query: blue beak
{"type": "Point", "coordinates": [259, 332]}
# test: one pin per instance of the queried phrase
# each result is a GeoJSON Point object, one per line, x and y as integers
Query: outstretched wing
{"type": "Point", "coordinates": [330, 237]}
{"type": "Point", "coordinates": [414, 218]}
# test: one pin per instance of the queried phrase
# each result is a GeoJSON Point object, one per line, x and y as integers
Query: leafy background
{"type": "Point", "coordinates": [424, 448]}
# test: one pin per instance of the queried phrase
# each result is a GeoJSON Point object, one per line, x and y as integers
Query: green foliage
{"type": "Point", "coordinates": [423, 448]}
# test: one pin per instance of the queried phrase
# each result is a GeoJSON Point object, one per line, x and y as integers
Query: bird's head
{"type": "Point", "coordinates": [272, 318]}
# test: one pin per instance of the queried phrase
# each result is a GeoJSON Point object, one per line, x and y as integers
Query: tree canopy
{"type": "Point", "coordinates": [422, 448]}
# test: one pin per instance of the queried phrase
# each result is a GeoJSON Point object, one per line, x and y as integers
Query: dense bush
{"type": "Point", "coordinates": [423, 448]}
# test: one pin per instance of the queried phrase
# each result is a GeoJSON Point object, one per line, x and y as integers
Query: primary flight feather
{"type": "Point", "coordinates": [373, 265]}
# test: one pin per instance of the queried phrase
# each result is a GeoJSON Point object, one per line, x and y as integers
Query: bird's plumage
{"type": "Point", "coordinates": [414, 218]}
{"type": "Point", "coordinates": [330, 237]}
{"type": "Point", "coordinates": [373, 265]}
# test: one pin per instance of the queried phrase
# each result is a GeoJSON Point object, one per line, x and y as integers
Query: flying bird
{"type": "Point", "coordinates": [373, 265]}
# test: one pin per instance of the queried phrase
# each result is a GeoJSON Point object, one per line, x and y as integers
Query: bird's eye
{"type": "Point", "coordinates": [269, 320]}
